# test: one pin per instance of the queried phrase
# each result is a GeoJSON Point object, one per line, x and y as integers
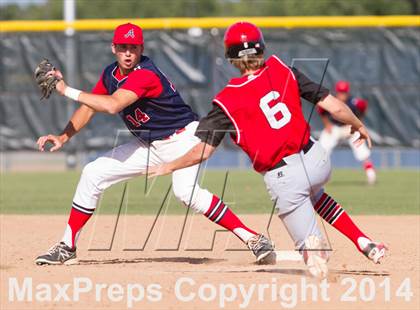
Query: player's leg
{"type": "Point", "coordinates": [370, 171]}
{"type": "Point", "coordinates": [202, 201]}
{"type": "Point", "coordinates": [211, 206]}
{"type": "Point", "coordinates": [332, 212]}
{"type": "Point", "coordinates": [121, 163]}
{"type": "Point", "coordinates": [289, 188]}
{"type": "Point", "coordinates": [362, 154]}
{"type": "Point", "coordinates": [300, 222]}
{"type": "Point", "coordinates": [303, 228]}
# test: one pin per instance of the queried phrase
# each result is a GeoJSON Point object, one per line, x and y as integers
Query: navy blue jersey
{"type": "Point", "coordinates": [151, 118]}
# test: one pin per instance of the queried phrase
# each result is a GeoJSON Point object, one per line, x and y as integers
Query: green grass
{"type": "Point", "coordinates": [397, 192]}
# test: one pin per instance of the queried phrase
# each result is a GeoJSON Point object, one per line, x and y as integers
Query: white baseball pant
{"type": "Point", "coordinates": [329, 141]}
{"type": "Point", "coordinates": [296, 187]}
{"type": "Point", "coordinates": [131, 159]}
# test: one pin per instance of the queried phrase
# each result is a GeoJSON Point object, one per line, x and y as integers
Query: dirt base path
{"type": "Point", "coordinates": [146, 270]}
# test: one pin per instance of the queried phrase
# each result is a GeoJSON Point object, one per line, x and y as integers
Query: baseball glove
{"type": "Point", "coordinates": [45, 82]}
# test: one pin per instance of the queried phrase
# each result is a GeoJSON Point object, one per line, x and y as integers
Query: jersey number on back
{"type": "Point", "coordinates": [270, 112]}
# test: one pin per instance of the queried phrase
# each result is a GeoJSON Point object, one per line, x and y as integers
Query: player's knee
{"type": "Point", "coordinates": [193, 197]}
{"type": "Point", "coordinates": [183, 193]}
{"type": "Point", "coordinates": [92, 171]}
{"type": "Point", "coordinates": [89, 169]}
{"type": "Point", "coordinates": [184, 190]}
{"type": "Point", "coordinates": [317, 196]}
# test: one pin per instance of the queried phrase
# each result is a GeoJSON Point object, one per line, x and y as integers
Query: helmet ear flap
{"type": "Point", "coordinates": [247, 48]}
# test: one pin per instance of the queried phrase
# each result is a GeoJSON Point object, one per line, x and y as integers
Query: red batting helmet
{"type": "Point", "coordinates": [128, 34]}
{"type": "Point", "coordinates": [242, 39]}
{"type": "Point", "coordinates": [342, 87]}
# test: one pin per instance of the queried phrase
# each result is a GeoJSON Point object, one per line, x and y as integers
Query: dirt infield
{"type": "Point", "coordinates": [197, 275]}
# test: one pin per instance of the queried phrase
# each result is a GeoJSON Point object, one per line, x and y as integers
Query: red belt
{"type": "Point", "coordinates": [175, 133]}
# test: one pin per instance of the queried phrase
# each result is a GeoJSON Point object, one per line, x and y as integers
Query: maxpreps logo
{"type": "Point", "coordinates": [130, 34]}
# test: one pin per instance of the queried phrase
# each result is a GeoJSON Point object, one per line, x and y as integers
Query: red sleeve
{"type": "Point", "coordinates": [99, 88]}
{"type": "Point", "coordinates": [145, 83]}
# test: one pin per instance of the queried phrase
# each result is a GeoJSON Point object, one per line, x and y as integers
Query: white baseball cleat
{"type": "Point", "coordinates": [315, 257]}
{"type": "Point", "coordinates": [375, 251]}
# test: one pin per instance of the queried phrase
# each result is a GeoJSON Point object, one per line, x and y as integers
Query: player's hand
{"type": "Point", "coordinates": [55, 140]}
{"type": "Point", "coordinates": [158, 170]}
{"type": "Point", "coordinates": [363, 136]}
{"type": "Point", "coordinates": [61, 85]}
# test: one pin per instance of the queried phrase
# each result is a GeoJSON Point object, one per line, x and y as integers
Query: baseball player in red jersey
{"type": "Point", "coordinates": [262, 110]}
{"type": "Point", "coordinates": [335, 131]}
{"type": "Point", "coordinates": [163, 127]}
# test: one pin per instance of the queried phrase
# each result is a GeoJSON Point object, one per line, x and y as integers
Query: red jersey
{"type": "Point", "coordinates": [266, 111]}
{"type": "Point", "coordinates": [144, 83]}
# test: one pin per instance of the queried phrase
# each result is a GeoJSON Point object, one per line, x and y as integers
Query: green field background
{"type": "Point", "coordinates": [397, 192]}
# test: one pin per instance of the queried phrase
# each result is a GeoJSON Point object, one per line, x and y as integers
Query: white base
{"type": "Point", "coordinates": [294, 256]}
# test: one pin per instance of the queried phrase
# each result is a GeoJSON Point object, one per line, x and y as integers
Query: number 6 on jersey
{"type": "Point", "coordinates": [270, 112]}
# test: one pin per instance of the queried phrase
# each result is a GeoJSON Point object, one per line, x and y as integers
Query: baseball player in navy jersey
{"type": "Point", "coordinates": [262, 111]}
{"type": "Point", "coordinates": [163, 127]}
{"type": "Point", "coordinates": [335, 131]}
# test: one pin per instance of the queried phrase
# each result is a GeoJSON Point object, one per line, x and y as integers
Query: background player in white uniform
{"type": "Point", "coordinates": [163, 127]}
{"type": "Point", "coordinates": [336, 131]}
{"type": "Point", "coordinates": [262, 111]}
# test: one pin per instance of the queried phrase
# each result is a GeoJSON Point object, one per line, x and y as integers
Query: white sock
{"type": "Point", "coordinates": [67, 236]}
{"type": "Point", "coordinates": [363, 242]}
{"type": "Point", "coordinates": [243, 234]}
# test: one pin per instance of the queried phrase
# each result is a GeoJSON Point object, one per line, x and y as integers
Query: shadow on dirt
{"type": "Point", "coordinates": [288, 271]}
{"type": "Point", "coordinates": [363, 273]}
{"type": "Point", "coordinates": [188, 260]}
{"type": "Point", "coordinates": [303, 272]}
{"type": "Point", "coordinates": [208, 261]}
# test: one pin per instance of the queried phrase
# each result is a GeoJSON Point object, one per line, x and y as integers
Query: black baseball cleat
{"type": "Point", "coordinates": [59, 254]}
{"type": "Point", "coordinates": [263, 249]}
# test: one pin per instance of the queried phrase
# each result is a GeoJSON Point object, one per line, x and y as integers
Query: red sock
{"type": "Point", "coordinates": [368, 165]}
{"type": "Point", "coordinates": [78, 218]}
{"type": "Point", "coordinates": [220, 214]}
{"type": "Point", "coordinates": [334, 214]}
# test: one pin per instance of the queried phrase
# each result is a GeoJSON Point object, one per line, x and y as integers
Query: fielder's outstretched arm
{"type": "Point", "coordinates": [197, 154]}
